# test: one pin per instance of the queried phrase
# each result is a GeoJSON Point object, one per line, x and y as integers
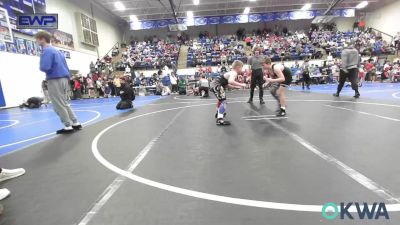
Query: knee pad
{"type": "Point", "coordinates": [222, 108]}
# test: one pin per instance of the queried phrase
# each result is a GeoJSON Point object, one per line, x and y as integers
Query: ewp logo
{"type": "Point", "coordinates": [37, 21]}
{"type": "Point", "coordinates": [331, 211]}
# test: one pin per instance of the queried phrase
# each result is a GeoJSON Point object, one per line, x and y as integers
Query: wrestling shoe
{"type": "Point", "coordinates": [250, 101]}
{"type": "Point", "coordinates": [77, 126]}
{"type": "Point", "coordinates": [357, 95]}
{"type": "Point", "coordinates": [9, 174]}
{"type": "Point", "coordinates": [222, 122]}
{"type": "Point", "coordinates": [336, 95]}
{"type": "Point", "coordinates": [65, 130]}
{"type": "Point", "coordinates": [281, 113]}
{"type": "Point", "coordinates": [262, 101]}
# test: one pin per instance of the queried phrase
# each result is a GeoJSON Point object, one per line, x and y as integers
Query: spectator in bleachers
{"type": "Point", "coordinates": [115, 51]}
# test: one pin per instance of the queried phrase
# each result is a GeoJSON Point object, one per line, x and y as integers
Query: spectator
{"type": "Point", "coordinates": [174, 83]}
{"type": "Point", "coordinates": [204, 87]}
{"type": "Point", "coordinates": [306, 74]}
{"type": "Point", "coordinates": [371, 70]}
{"type": "Point", "coordinates": [248, 41]}
{"type": "Point", "coordinates": [90, 87]}
{"type": "Point", "coordinates": [45, 90]}
{"type": "Point", "coordinates": [100, 88]}
{"type": "Point", "coordinates": [117, 85]}
{"type": "Point", "coordinates": [77, 89]}
{"type": "Point", "coordinates": [127, 95]}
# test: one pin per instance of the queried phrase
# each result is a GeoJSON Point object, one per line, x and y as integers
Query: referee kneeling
{"type": "Point", "coordinates": [53, 63]}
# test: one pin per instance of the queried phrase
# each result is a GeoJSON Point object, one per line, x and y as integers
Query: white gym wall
{"type": "Point", "coordinates": [20, 75]}
{"type": "Point", "coordinates": [109, 27]}
{"type": "Point", "coordinates": [385, 19]}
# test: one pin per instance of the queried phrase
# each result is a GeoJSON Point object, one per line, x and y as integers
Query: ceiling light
{"type": "Point", "coordinates": [306, 6]}
{"type": "Point", "coordinates": [362, 5]}
{"type": "Point", "coordinates": [119, 6]}
{"type": "Point", "coordinates": [133, 18]}
{"type": "Point", "coordinates": [196, 2]}
{"type": "Point", "coordinates": [246, 10]}
{"type": "Point", "coordinates": [189, 14]}
{"type": "Point", "coordinates": [252, 0]}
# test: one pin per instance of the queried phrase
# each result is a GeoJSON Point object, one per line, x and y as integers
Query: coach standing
{"type": "Point", "coordinates": [53, 63]}
{"type": "Point", "coordinates": [349, 69]}
{"type": "Point", "coordinates": [257, 78]}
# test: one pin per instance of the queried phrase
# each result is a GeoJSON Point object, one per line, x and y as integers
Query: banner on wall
{"type": "Point", "coordinates": [16, 7]}
{"type": "Point", "coordinates": [5, 27]}
{"type": "Point", "coordinates": [66, 54]}
{"type": "Point", "coordinates": [235, 19]}
{"type": "Point", "coordinates": [62, 39]}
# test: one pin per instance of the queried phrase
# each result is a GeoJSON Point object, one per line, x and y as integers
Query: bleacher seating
{"type": "Point", "coordinates": [214, 51]}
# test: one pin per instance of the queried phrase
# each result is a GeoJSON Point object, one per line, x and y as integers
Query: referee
{"type": "Point", "coordinates": [53, 63]}
{"type": "Point", "coordinates": [349, 70]}
{"type": "Point", "coordinates": [257, 78]}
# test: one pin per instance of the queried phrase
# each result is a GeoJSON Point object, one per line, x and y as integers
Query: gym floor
{"type": "Point", "coordinates": [166, 162]}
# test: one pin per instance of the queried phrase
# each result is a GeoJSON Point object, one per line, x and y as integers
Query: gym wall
{"type": "Point", "coordinates": [110, 28]}
{"type": "Point", "coordinates": [345, 24]}
{"type": "Point", "coordinates": [385, 19]}
{"type": "Point", "coordinates": [21, 78]}
{"type": "Point", "coordinates": [20, 75]}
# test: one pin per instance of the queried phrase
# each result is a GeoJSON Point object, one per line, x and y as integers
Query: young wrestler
{"type": "Point", "coordinates": [280, 77]}
{"type": "Point", "coordinates": [218, 86]}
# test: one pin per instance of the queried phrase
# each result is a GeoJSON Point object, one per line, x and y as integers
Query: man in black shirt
{"type": "Point", "coordinates": [257, 78]}
{"type": "Point", "coordinates": [127, 95]}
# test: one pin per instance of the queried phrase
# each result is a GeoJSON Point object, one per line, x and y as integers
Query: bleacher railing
{"type": "Point", "coordinates": [112, 48]}
{"type": "Point", "coordinates": [385, 36]}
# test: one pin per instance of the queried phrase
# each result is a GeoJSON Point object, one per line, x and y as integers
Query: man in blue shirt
{"type": "Point", "coordinates": [53, 63]}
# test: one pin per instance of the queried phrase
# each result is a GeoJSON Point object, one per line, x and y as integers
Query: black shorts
{"type": "Point", "coordinates": [288, 81]}
{"type": "Point", "coordinates": [288, 76]}
{"type": "Point", "coordinates": [219, 92]}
